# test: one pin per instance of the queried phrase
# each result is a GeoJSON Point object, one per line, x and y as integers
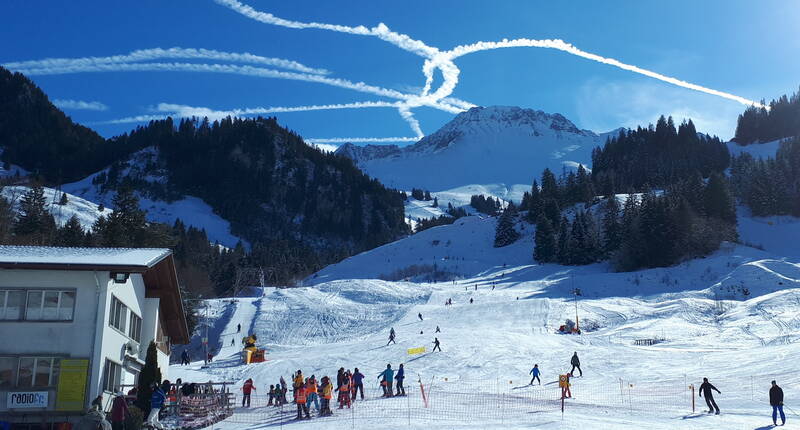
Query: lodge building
{"type": "Point", "coordinates": [75, 323]}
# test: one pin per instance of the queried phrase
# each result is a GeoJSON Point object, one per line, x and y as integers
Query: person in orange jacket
{"type": "Point", "coordinates": [327, 395]}
{"type": "Point", "coordinates": [344, 391]}
{"type": "Point", "coordinates": [300, 399]}
{"type": "Point", "coordinates": [247, 388]}
{"type": "Point", "coordinates": [311, 390]}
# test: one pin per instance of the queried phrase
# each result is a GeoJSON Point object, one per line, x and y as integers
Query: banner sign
{"type": "Point", "coordinates": [71, 392]}
{"type": "Point", "coordinates": [563, 381]}
{"type": "Point", "coordinates": [28, 399]}
{"type": "Point", "coordinates": [415, 351]}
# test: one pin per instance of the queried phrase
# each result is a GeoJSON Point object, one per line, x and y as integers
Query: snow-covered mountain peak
{"type": "Point", "coordinates": [484, 145]}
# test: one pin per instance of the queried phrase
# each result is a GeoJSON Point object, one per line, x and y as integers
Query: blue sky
{"type": "Point", "coordinates": [749, 49]}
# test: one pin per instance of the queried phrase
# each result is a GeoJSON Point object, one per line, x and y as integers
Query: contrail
{"type": "Point", "coordinates": [560, 45]}
{"type": "Point", "coordinates": [159, 53]}
{"type": "Point", "coordinates": [184, 111]}
{"type": "Point", "coordinates": [216, 68]}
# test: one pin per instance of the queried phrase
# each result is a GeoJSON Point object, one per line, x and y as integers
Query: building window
{"type": "Point", "coordinates": [37, 372]}
{"type": "Point", "coordinates": [50, 305]}
{"type": "Point", "coordinates": [12, 302]}
{"type": "Point", "coordinates": [135, 327]}
{"type": "Point", "coordinates": [118, 314]}
{"type": "Point", "coordinates": [112, 376]}
{"type": "Point", "coordinates": [8, 366]}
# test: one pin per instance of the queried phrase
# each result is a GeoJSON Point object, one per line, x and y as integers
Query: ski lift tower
{"type": "Point", "coordinates": [576, 292]}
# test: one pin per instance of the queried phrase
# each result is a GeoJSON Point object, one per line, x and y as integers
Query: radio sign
{"type": "Point", "coordinates": [32, 399]}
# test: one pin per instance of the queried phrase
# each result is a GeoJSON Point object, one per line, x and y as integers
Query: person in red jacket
{"type": "Point", "coordinates": [247, 388]}
{"type": "Point", "coordinates": [119, 411]}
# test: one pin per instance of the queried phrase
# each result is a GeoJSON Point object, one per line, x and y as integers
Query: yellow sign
{"type": "Point", "coordinates": [415, 351]}
{"type": "Point", "coordinates": [563, 381]}
{"type": "Point", "coordinates": [71, 394]}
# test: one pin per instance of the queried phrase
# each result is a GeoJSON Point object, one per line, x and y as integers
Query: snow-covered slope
{"type": "Point", "coordinates": [191, 210]}
{"type": "Point", "coordinates": [485, 145]}
{"type": "Point", "coordinates": [86, 211]}
{"type": "Point", "coordinates": [707, 325]}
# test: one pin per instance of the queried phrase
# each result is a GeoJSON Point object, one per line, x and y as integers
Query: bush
{"type": "Point", "coordinates": [134, 419]}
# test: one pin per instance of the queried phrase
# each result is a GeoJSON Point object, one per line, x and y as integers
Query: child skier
{"type": "Point", "coordinates": [535, 373]}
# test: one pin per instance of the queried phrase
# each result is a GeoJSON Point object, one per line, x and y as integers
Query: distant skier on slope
{"type": "Point", "coordinates": [420, 316]}
{"type": "Point", "coordinates": [391, 338]}
{"type": "Point", "coordinates": [776, 401]}
{"type": "Point", "coordinates": [247, 388]}
{"type": "Point", "coordinates": [238, 328]}
{"type": "Point", "coordinates": [358, 383]}
{"type": "Point", "coordinates": [535, 372]}
{"type": "Point", "coordinates": [438, 330]}
{"type": "Point", "coordinates": [705, 388]}
{"type": "Point", "coordinates": [576, 363]}
{"type": "Point", "coordinates": [436, 344]}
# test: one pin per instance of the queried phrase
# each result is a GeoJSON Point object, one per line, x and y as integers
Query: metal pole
{"type": "Point", "coordinates": [692, 388]}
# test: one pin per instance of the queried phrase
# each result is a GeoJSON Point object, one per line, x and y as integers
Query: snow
{"type": "Point", "coordinates": [85, 211]}
{"type": "Point", "coordinates": [777, 234]}
{"type": "Point", "coordinates": [82, 256]}
{"type": "Point", "coordinates": [492, 145]}
{"type": "Point", "coordinates": [193, 211]}
{"type": "Point", "coordinates": [757, 150]}
{"type": "Point", "coordinates": [731, 317]}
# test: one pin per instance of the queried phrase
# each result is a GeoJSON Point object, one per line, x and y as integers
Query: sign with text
{"type": "Point", "coordinates": [71, 393]}
{"type": "Point", "coordinates": [415, 351]}
{"type": "Point", "coordinates": [28, 399]}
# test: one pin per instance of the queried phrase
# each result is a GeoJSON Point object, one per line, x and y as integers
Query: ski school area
{"type": "Point", "coordinates": [643, 355]}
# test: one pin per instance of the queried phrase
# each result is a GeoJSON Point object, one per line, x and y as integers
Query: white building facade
{"type": "Point", "coordinates": [75, 323]}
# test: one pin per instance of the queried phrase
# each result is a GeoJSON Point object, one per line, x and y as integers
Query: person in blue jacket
{"type": "Point", "coordinates": [535, 372]}
{"type": "Point", "coordinates": [387, 378]}
{"type": "Point", "coordinates": [156, 403]}
{"type": "Point", "coordinates": [401, 375]}
{"type": "Point", "coordinates": [358, 383]}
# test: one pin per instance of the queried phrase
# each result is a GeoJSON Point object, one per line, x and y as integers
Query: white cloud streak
{"type": "Point", "coordinates": [184, 111]}
{"type": "Point", "coordinates": [362, 140]}
{"type": "Point", "coordinates": [79, 105]}
{"type": "Point", "coordinates": [159, 53]}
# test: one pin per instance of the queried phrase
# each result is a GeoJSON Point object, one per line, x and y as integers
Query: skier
{"type": "Point", "coordinates": [438, 330]}
{"type": "Point", "coordinates": [247, 388]}
{"type": "Point", "coordinates": [358, 383]}
{"type": "Point", "coordinates": [576, 362]}
{"type": "Point", "coordinates": [476, 287]}
{"type": "Point", "coordinates": [238, 328]}
{"type": "Point", "coordinates": [420, 316]}
{"type": "Point", "coordinates": [300, 399]}
{"type": "Point", "coordinates": [311, 393]}
{"type": "Point", "coordinates": [327, 394]}
{"type": "Point", "coordinates": [297, 382]}
{"type": "Point", "coordinates": [284, 389]}
{"type": "Point", "coordinates": [387, 377]}
{"type": "Point", "coordinates": [535, 372]}
{"type": "Point", "coordinates": [776, 401]}
{"type": "Point", "coordinates": [436, 344]}
{"type": "Point", "coordinates": [344, 391]}
{"type": "Point", "coordinates": [156, 403]}
{"type": "Point", "coordinates": [705, 388]}
{"type": "Point", "coordinates": [391, 338]}
{"type": "Point", "coordinates": [232, 342]}
{"type": "Point", "coordinates": [271, 395]}
{"type": "Point", "coordinates": [470, 300]}
{"type": "Point", "coordinates": [401, 375]}
{"type": "Point", "coordinates": [339, 377]}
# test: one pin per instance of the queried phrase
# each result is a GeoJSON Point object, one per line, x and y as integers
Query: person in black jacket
{"type": "Point", "coordinates": [576, 362]}
{"type": "Point", "coordinates": [705, 388]}
{"type": "Point", "coordinates": [776, 400]}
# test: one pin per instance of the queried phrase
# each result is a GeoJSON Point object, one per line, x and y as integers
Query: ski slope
{"type": "Point", "coordinates": [85, 211]}
{"type": "Point", "coordinates": [731, 317]}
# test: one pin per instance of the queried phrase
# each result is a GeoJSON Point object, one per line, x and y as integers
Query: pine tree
{"type": "Point", "coordinates": [563, 243]}
{"type": "Point", "coordinates": [505, 234]}
{"type": "Point", "coordinates": [71, 234]}
{"type": "Point", "coordinates": [718, 199]}
{"type": "Point", "coordinates": [34, 223]}
{"type": "Point", "coordinates": [549, 186]}
{"type": "Point", "coordinates": [612, 231]}
{"type": "Point", "coordinates": [6, 220]}
{"type": "Point", "coordinates": [535, 205]}
{"type": "Point", "coordinates": [544, 250]}
{"type": "Point", "coordinates": [552, 211]}
{"type": "Point", "coordinates": [149, 375]}
{"type": "Point", "coordinates": [64, 200]}
{"type": "Point", "coordinates": [435, 202]}
{"type": "Point", "coordinates": [126, 226]}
